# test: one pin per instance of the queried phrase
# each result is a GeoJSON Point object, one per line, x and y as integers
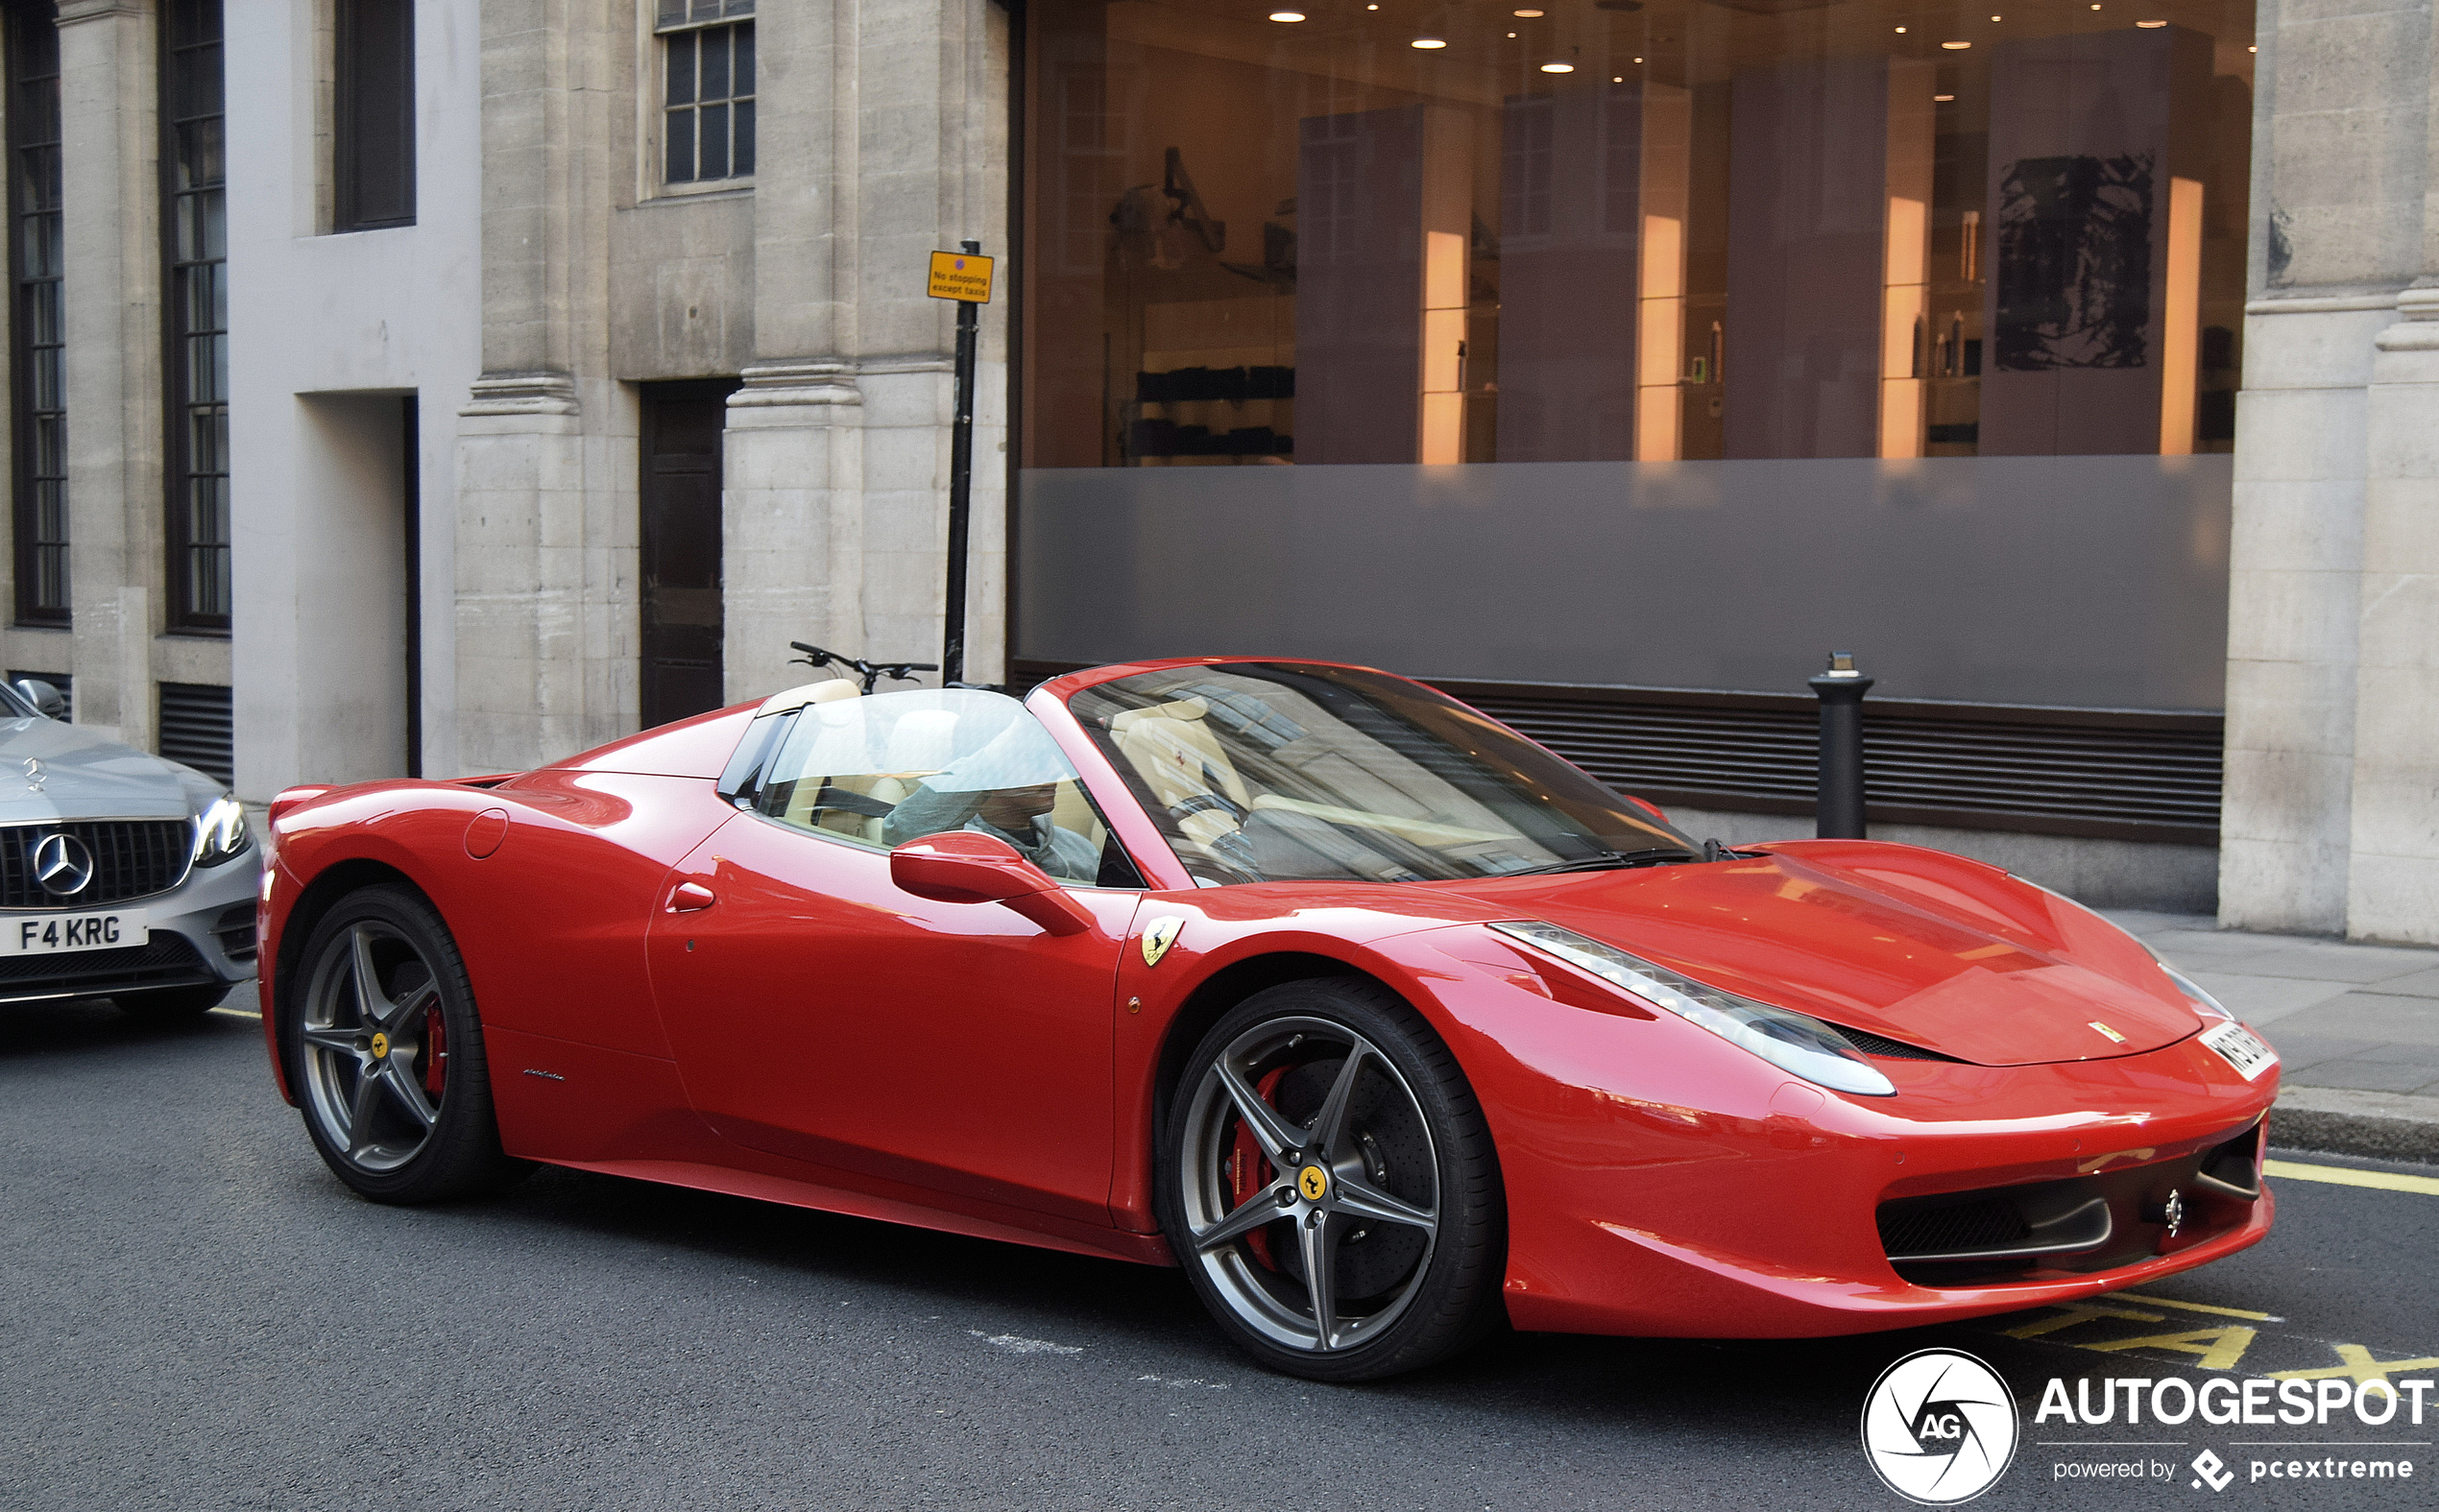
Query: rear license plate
{"type": "Point", "coordinates": [57, 934]}
{"type": "Point", "coordinates": [2240, 1048]}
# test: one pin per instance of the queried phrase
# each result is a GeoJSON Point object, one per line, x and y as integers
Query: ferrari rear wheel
{"type": "Point", "coordinates": [386, 1053]}
{"type": "Point", "coordinates": [1329, 1184]}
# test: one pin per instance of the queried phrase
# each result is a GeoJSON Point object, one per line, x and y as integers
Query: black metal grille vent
{"type": "Point", "coordinates": [1880, 1045]}
{"type": "Point", "coordinates": [235, 929]}
{"type": "Point", "coordinates": [1982, 1224]}
{"type": "Point", "coordinates": [132, 859]}
{"type": "Point", "coordinates": [2141, 778]}
{"type": "Point", "coordinates": [198, 727]}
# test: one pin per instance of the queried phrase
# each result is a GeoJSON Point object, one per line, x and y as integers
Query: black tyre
{"type": "Point", "coordinates": [1329, 1184]}
{"type": "Point", "coordinates": [173, 1004]}
{"type": "Point", "coordinates": [385, 1052]}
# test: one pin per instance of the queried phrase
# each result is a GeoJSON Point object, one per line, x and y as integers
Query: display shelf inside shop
{"type": "Point", "coordinates": [1202, 416]}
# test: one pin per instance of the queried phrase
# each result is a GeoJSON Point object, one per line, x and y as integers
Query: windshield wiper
{"type": "Point", "coordinates": [1611, 860]}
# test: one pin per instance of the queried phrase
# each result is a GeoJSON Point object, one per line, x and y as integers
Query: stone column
{"type": "Point", "coordinates": [547, 618]}
{"type": "Point", "coordinates": [884, 138]}
{"type": "Point", "coordinates": [2331, 813]}
{"type": "Point", "coordinates": [2393, 885]}
{"type": "Point", "coordinates": [112, 164]}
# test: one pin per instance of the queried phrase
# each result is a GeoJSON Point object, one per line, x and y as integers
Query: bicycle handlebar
{"type": "Point", "coordinates": [871, 672]}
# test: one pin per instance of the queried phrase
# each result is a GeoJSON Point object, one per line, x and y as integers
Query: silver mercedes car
{"type": "Point", "coordinates": [122, 876]}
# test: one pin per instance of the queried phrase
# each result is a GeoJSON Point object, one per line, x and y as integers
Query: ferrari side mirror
{"type": "Point", "coordinates": [960, 866]}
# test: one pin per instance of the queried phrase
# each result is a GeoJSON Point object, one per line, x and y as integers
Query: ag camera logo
{"type": "Point", "coordinates": [1938, 1427]}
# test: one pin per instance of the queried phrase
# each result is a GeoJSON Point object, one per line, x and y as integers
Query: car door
{"type": "Point", "coordinates": [819, 1012]}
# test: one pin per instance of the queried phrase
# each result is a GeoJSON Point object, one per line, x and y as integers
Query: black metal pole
{"type": "Point", "coordinates": [1839, 815]}
{"type": "Point", "coordinates": [960, 485]}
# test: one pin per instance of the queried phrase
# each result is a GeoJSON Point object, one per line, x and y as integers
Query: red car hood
{"type": "Point", "coordinates": [1915, 945]}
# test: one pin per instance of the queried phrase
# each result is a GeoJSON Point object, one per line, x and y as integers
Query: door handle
{"type": "Point", "coordinates": [687, 897]}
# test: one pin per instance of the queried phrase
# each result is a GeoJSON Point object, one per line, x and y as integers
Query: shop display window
{"type": "Point", "coordinates": [1630, 231]}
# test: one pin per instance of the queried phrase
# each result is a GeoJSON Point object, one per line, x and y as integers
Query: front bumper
{"type": "Point", "coordinates": [1721, 1223]}
{"type": "Point", "coordinates": [203, 933]}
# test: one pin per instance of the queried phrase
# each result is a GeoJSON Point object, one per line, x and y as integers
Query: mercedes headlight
{"type": "Point", "coordinates": [1795, 1043]}
{"type": "Point", "coordinates": [220, 833]}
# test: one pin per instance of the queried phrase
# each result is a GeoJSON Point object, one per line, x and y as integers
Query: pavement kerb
{"type": "Point", "coordinates": [2388, 1126]}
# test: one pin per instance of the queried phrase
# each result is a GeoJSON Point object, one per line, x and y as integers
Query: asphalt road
{"type": "Point", "coordinates": [194, 1314]}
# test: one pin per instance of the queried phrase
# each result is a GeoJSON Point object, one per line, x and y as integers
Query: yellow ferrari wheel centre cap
{"type": "Point", "coordinates": [1313, 1182]}
{"type": "Point", "coordinates": [380, 1047]}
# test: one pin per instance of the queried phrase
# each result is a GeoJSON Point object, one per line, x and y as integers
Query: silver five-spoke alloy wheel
{"type": "Point", "coordinates": [375, 1052]}
{"type": "Point", "coordinates": [1310, 1185]}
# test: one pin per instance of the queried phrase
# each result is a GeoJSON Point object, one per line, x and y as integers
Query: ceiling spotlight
{"type": "Point", "coordinates": [2252, 49]}
{"type": "Point", "coordinates": [1286, 15]}
{"type": "Point", "coordinates": [1512, 37]}
{"type": "Point", "coordinates": [1558, 68]}
{"type": "Point", "coordinates": [1528, 15]}
{"type": "Point", "coordinates": [1637, 61]}
{"type": "Point", "coordinates": [1900, 31]}
{"type": "Point", "coordinates": [1999, 18]}
{"type": "Point", "coordinates": [2151, 26]}
{"type": "Point", "coordinates": [1942, 98]}
{"type": "Point", "coordinates": [1956, 47]}
{"type": "Point", "coordinates": [1620, 77]}
{"type": "Point", "coordinates": [1427, 43]}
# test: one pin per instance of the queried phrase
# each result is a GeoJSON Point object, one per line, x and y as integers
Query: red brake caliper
{"type": "Point", "coordinates": [435, 1052]}
{"type": "Point", "coordinates": [1245, 1166]}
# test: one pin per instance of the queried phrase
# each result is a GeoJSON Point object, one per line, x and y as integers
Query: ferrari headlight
{"type": "Point", "coordinates": [1789, 1040]}
{"type": "Point", "coordinates": [2207, 1006]}
{"type": "Point", "coordinates": [220, 833]}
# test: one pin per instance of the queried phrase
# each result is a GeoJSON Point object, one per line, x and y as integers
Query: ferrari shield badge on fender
{"type": "Point", "coordinates": [1159, 937]}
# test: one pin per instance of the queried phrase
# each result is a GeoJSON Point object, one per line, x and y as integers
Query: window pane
{"type": "Point", "coordinates": [743, 83]}
{"type": "Point", "coordinates": [1569, 238]}
{"type": "Point", "coordinates": [741, 132]}
{"type": "Point", "coordinates": [672, 11]}
{"type": "Point", "coordinates": [40, 516]}
{"type": "Point", "coordinates": [714, 141]}
{"type": "Point", "coordinates": [681, 145]}
{"type": "Point", "coordinates": [681, 68]}
{"type": "Point", "coordinates": [714, 77]}
{"type": "Point", "coordinates": [374, 89]}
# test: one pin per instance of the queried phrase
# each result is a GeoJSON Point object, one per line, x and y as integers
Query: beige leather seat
{"type": "Point", "coordinates": [1178, 757]}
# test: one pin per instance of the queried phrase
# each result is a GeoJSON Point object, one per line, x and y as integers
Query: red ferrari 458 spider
{"type": "Point", "coordinates": [1383, 1022]}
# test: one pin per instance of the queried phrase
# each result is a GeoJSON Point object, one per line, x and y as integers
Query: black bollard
{"type": "Point", "coordinates": [1841, 689]}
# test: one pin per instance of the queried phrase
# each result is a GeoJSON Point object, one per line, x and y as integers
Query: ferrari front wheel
{"type": "Point", "coordinates": [1329, 1184]}
{"type": "Point", "coordinates": [386, 1053]}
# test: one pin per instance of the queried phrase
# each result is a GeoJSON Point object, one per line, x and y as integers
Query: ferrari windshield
{"type": "Point", "coordinates": [1286, 771]}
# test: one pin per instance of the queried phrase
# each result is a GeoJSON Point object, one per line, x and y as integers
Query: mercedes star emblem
{"type": "Point", "coordinates": [63, 865]}
{"type": "Point", "coordinates": [32, 775]}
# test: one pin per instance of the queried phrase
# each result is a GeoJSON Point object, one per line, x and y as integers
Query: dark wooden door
{"type": "Point", "coordinates": [681, 490]}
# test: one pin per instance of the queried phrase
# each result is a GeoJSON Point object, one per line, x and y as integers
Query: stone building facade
{"type": "Point", "coordinates": [567, 293]}
{"type": "Point", "coordinates": [2331, 816]}
{"type": "Point", "coordinates": [577, 361]}
{"type": "Point", "coordinates": [113, 114]}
